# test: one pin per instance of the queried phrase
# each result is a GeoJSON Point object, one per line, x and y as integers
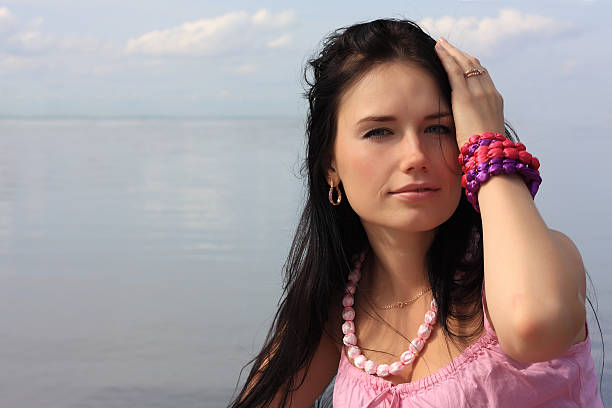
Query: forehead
{"type": "Point", "coordinates": [391, 87]}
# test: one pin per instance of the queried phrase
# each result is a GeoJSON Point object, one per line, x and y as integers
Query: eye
{"type": "Point", "coordinates": [440, 129]}
{"type": "Point", "coordinates": [376, 133]}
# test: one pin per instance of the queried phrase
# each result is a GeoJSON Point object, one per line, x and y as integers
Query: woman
{"type": "Point", "coordinates": [397, 252]}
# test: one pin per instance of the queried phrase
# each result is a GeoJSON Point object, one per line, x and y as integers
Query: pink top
{"type": "Point", "coordinates": [482, 376]}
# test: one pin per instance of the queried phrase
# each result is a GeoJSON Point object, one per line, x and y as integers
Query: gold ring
{"type": "Point", "coordinates": [473, 72]}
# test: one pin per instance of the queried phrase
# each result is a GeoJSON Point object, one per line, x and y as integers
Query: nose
{"type": "Point", "coordinates": [415, 155]}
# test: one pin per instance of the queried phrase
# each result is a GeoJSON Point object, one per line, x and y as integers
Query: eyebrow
{"type": "Point", "coordinates": [392, 118]}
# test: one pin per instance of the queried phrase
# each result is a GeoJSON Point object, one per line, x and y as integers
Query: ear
{"type": "Point", "coordinates": [332, 173]}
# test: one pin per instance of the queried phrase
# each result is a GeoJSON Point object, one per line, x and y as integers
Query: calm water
{"type": "Point", "coordinates": [140, 260]}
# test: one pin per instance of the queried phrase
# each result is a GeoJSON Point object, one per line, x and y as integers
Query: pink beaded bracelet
{"type": "Point", "coordinates": [491, 154]}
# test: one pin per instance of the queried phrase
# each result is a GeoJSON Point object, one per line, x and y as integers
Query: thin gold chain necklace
{"type": "Point", "coordinates": [405, 302]}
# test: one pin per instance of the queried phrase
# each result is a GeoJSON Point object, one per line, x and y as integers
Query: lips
{"type": "Point", "coordinates": [416, 187]}
{"type": "Point", "coordinates": [415, 196]}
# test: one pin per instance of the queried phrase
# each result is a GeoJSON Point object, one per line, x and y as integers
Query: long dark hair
{"type": "Point", "coordinates": [327, 237]}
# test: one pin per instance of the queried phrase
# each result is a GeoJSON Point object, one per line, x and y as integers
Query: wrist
{"type": "Point", "coordinates": [492, 154]}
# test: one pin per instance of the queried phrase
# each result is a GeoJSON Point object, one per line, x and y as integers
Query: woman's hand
{"type": "Point", "coordinates": [477, 106]}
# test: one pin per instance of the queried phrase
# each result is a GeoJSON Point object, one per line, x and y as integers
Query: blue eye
{"type": "Point", "coordinates": [376, 133]}
{"type": "Point", "coordinates": [442, 128]}
{"type": "Point", "coordinates": [379, 133]}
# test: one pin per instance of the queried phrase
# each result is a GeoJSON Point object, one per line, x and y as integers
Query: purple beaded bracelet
{"type": "Point", "coordinates": [475, 177]}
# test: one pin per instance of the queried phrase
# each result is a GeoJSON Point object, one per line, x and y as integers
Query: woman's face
{"type": "Point", "coordinates": [387, 137]}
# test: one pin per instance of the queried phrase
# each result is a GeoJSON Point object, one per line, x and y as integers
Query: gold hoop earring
{"type": "Point", "coordinates": [331, 194]}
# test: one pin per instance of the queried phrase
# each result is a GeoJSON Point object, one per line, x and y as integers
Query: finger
{"type": "Point", "coordinates": [453, 69]}
{"type": "Point", "coordinates": [466, 61]}
{"type": "Point", "coordinates": [485, 80]}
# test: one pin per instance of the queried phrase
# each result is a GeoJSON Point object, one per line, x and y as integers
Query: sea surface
{"type": "Point", "coordinates": [141, 259]}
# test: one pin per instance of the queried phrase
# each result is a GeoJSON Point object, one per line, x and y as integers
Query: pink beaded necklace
{"type": "Point", "coordinates": [350, 338]}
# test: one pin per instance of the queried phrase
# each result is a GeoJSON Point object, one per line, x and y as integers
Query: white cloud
{"type": "Point", "coordinates": [483, 36]}
{"type": "Point", "coordinates": [209, 36]}
{"type": "Point", "coordinates": [38, 42]}
{"type": "Point", "coordinates": [103, 70]}
{"type": "Point", "coordinates": [29, 38]}
{"type": "Point", "coordinates": [569, 67]}
{"type": "Point", "coordinates": [31, 41]}
{"type": "Point", "coordinates": [280, 41]}
{"type": "Point", "coordinates": [34, 24]}
{"type": "Point", "coordinates": [245, 69]}
{"type": "Point", "coordinates": [199, 37]}
{"type": "Point", "coordinates": [282, 19]}
{"type": "Point", "coordinates": [13, 63]}
{"type": "Point", "coordinates": [83, 45]}
{"type": "Point", "coordinates": [6, 15]}
{"type": "Point", "coordinates": [7, 19]}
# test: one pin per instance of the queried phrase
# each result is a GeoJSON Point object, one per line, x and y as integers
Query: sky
{"type": "Point", "coordinates": [108, 58]}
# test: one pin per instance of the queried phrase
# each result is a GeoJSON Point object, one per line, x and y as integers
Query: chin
{"type": "Point", "coordinates": [429, 221]}
{"type": "Point", "coordinates": [410, 220]}
{"type": "Point", "coordinates": [417, 223]}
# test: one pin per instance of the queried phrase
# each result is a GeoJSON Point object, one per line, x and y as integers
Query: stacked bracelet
{"type": "Point", "coordinates": [491, 154]}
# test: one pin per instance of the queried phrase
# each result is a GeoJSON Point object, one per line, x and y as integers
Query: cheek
{"type": "Point", "coordinates": [362, 175]}
{"type": "Point", "coordinates": [354, 163]}
{"type": "Point", "coordinates": [450, 153]}
{"type": "Point", "coordinates": [365, 169]}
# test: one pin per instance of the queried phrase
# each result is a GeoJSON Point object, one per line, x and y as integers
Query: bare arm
{"type": "Point", "coordinates": [534, 276]}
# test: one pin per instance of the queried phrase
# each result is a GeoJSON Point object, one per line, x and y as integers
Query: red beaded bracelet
{"type": "Point", "coordinates": [491, 154]}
